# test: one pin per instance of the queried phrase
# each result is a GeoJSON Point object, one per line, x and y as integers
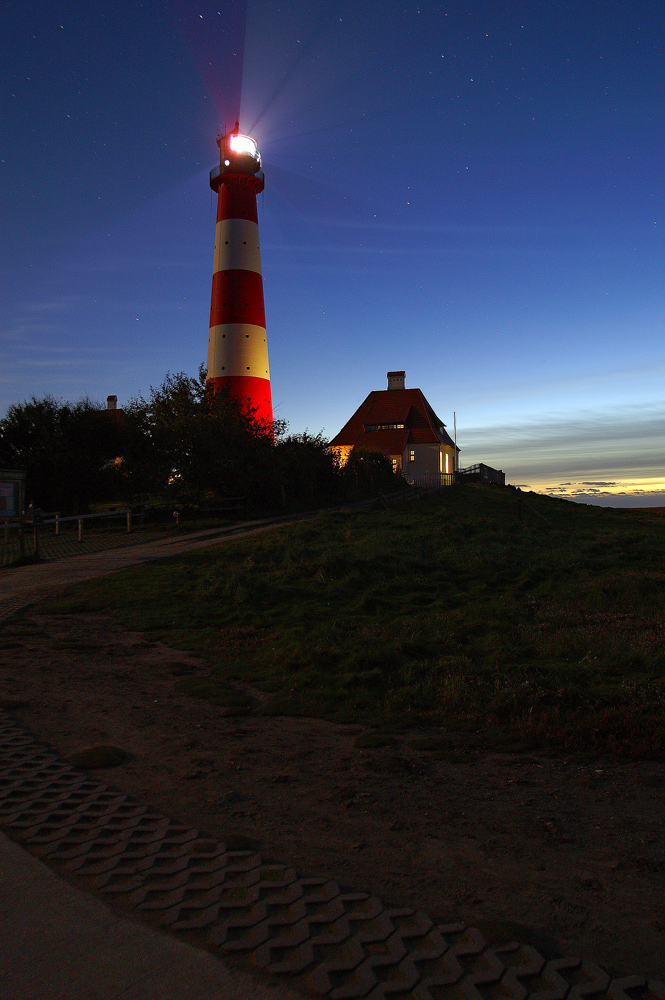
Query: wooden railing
{"type": "Point", "coordinates": [33, 526]}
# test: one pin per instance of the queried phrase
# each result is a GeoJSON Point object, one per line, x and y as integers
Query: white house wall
{"type": "Point", "coordinates": [426, 459]}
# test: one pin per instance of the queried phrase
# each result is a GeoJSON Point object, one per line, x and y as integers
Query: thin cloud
{"type": "Point", "coordinates": [622, 424]}
{"type": "Point", "coordinates": [31, 317]}
{"type": "Point", "coordinates": [454, 230]}
{"type": "Point", "coordinates": [59, 304]}
{"type": "Point", "coordinates": [22, 331]}
{"type": "Point", "coordinates": [111, 265]}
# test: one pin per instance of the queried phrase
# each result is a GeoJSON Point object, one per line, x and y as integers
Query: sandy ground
{"type": "Point", "coordinates": [565, 852]}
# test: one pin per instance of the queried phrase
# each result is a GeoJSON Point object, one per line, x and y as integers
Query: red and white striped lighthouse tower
{"type": "Point", "coordinates": [237, 342]}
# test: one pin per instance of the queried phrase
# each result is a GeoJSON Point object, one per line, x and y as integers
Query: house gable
{"type": "Point", "coordinates": [395, 421]}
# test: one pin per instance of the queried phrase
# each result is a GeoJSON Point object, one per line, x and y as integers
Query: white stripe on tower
{"type": "Point", "coordinates": [237, 246]}
{"type": "Point", "coordinates": [238, 349]}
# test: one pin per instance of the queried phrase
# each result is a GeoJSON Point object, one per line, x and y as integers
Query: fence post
{"type": "Point", "coordinates": [35, 536]}
{"type": "Point", "coordinates": [129, 521]}
{"type": "Point", "coordinates": [21, 537]}
{"type": "Point", "coordinates": [57, 524]}
{"type": "Point", "coordinates": [80, 529]}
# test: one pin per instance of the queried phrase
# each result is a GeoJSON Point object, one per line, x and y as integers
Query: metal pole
{"type": "Point", "coordinates": [57, 524]}
{"type": "Point", "coordinates": [80, 529]}
{"type": "Point", "coordinates": [455, 426]}
{"type": "Point", "coordinates": [35, 535]}
{"type": "Point", "coordinates": [129, 521]}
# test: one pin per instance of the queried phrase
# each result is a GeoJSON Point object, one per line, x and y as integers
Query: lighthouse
{"type": "Point", "coordinates": [237, 342]}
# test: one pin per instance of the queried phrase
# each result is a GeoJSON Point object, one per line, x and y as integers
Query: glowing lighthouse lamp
{"type": "Point", "coordinates": [237, 343]}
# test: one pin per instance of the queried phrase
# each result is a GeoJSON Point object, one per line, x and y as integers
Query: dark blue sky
{"type": "Point", "coordinates": [472, 192]}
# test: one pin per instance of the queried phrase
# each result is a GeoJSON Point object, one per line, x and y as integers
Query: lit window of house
{"type": "Point", "coordinates": [412, 455]}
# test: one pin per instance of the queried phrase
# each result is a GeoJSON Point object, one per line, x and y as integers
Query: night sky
{"type": "Point", "coordinates": [472, 192]}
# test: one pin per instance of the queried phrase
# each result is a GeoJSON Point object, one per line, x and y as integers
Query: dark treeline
{"type": "Point", "coordinates": [183, 445]}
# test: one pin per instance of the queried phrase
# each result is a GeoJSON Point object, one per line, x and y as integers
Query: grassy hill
{"type": "Point", "coordinates": [525, 619]}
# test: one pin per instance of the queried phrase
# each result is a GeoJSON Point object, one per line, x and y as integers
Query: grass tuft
{"type": "Point", "coordinates": [77, 647]}
{"type": "Point", "coordinates": [13, 704]}
{"type": "Point", "coordinates": [370, 741]}
{"type": "Point", "coordinates": [236, 842]}
{"type": "Point", "coordinates": [272, 875]}
{"type": "Point", "coordinates": [427, 745]}
{"type": "Point", "coordinates": [213, 691]}
{"type": "Point", "coordinates": [204, 846]}
{"type": "Point", "coordinates": [97, 757]}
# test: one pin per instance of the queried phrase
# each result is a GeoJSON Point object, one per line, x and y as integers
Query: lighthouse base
{"type": "Point", "coordinates": [253, 394]}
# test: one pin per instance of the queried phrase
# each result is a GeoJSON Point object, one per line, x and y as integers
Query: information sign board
{"type": "Point", "coordinates": [11, 493]}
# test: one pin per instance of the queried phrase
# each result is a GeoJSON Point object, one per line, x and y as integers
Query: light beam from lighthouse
{"type": "Point", "coordinates": [237, 341]}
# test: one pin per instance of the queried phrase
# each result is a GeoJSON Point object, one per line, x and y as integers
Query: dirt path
{"type": "Point", "coordinates": [569, 851]}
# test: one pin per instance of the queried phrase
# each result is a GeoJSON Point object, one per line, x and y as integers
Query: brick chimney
{"type": "Point", "coordinates": [396, 380]}
{"type": "Point", "coordinates": [111, 402]}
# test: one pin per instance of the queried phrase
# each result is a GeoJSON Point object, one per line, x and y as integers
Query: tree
{"type": "Point", "coordinates": [371, 470]}
{"type": "Point", "coordinates": [305, 469]}
{"type": "Point", "coordinates": [188, 441]}
{"type": "Point", "coordinates": [67, 451]}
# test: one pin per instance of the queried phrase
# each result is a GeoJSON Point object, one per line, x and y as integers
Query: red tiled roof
{"type": "Point", "coordinates": [389, 442]}
{"type": "Point", "coordinates": [385, 413]}
{"type": "Point", "coordinates": [423, 435]}
{"type": "Point", "coordinates": [393, 406]}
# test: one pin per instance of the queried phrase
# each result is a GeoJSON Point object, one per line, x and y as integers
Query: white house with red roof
{"type": "Point", "coordinates": [401, 424]}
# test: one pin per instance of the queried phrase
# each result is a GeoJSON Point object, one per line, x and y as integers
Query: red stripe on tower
{"type": "Point", "coordinates": [237, 341]}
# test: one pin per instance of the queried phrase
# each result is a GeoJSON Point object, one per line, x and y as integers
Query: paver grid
{"type": "Point", "coordinates": [52, 546]}
{"type": "Point", "coordinates": [335, 943]}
